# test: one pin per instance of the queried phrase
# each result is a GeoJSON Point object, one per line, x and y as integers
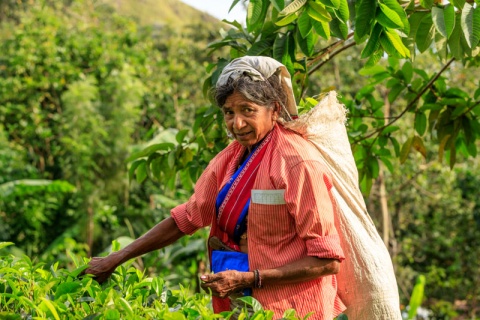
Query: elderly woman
{"type": "Point", "coordinates": [267, 200]}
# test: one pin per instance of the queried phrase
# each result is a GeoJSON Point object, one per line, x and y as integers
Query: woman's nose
{"type": "Point", "coordinates": [238, 122]}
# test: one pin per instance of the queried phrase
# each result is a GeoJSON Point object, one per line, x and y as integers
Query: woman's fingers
{"type": "Point", "coordinates": [222, 284]}
{"type": "Point", "coordinates": [100, 269]}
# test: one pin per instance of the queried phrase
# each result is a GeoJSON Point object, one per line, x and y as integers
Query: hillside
{"type": "Point", "coordinates": [154, 12]}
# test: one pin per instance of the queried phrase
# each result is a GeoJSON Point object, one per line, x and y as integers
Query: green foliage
{"type": "Point", "coordinates": [417, 297]}
{"type": "Point", "coordinates": [27, 289]}
{"type": "Point", "coordinates": [298, 34]}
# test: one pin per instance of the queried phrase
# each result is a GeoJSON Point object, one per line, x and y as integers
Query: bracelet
{"type": "Point", "coordinates": [257, 279]}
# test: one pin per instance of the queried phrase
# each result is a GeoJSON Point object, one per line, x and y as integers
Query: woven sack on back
{"type": "Point", "coordinates": [366, 281]}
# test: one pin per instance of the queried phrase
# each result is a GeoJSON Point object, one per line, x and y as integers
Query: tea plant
{"type": "Point", "coordinates": [29, 291]}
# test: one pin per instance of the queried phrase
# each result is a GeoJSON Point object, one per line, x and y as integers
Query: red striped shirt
{"type": "Point", "coordinates": [279, 234]}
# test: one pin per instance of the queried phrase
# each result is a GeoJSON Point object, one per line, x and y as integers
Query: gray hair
{"type": "Point", "coordinates": [263, 93]}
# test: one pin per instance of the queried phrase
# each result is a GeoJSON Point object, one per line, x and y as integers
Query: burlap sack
{"type": "Point", "coordinates": [366, 281]}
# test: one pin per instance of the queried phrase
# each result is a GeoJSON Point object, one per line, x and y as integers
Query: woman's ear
{"type": "Point", "coordinates": [276, 110]}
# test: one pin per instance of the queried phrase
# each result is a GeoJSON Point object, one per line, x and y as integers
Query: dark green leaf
{"type": "Point", "coordinates": [407, 71]}
{"type": "Point", "coordinates": [374, 58]}
{"type": "Point", "coordinates": [449, 17]}
{"type": "Point", "coordinates": [420, 123]}
{"type": "Point", "coordinates": [279, 46]}
{"type": "Point", "coordinates": [338, 29]}
{"type": "Point", "coordinates": [141, 172]}
{"type": "Point", "coordinates": [395, 91]}
{"type": "Point", "coordinates": [133, 167]}
{"type": "Point", "coordinates": [304, 25]}
{"type": "Point", "coordinates": [254, 13]}
{"type": "Point", "coordinates": [307, 45]}
{"type": "Point", "coordinates": [458, 3]}
{"type": "Point", "coordinates": [373, 42]}
{"type": "Point", "coordinates": [425, 33]}
{"type": "Point", "coordinates": [278, 4]}
{"type": "Point", "coordinates": [343, 13]}
{"type": "Point", "coordinates": [165, 146]}
{"type": "Point", "coordinates": [67, 287]}
{"type": "Point", "coordinates": [427, 4]}
{"type": "Point", "coordinates": [454, 42]}
{"type": "Point", "coordinates": [260, 47]}
{"type": "Point", "coordinates": [365, 13]}
{"type": "Point", "coordinates": [331, 3]}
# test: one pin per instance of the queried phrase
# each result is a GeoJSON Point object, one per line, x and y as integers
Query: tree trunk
{"type": "Point", "coordinates": [90, 227]}
{"type": "Point", "coordinates": [383, 193]}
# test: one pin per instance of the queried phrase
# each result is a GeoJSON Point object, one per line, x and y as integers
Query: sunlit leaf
{"type": "Point", "coordinates": [395, 6]}
{"type": "Point", "coordinates": [471, 24]}
{"type": "Point", "coordinates": [293, 7]}
{"type": "Point", "coordinates": [389, 18]}
{"type": "Point", "coordinates": [393, 45]}
{"type": "Point", "coordinates": [50, 307]}
{"type": "Point", "coordinates": [6, 244]}
{"type": "Point", "coordinates": [438, 18]}
{"type": "Point", "coordinates": [318, 12]}
{"type": "Point", "coordinates": [322, 29]}
{"type": "Point", "coordinates": [343, 12]}
{"type": "Point", "coordinates": [287, 20]}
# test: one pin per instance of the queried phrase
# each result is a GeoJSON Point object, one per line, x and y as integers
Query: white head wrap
{"type": "Point", "coordinates": [260, 68]}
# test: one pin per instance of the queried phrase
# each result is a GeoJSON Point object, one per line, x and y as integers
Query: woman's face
{"type": "Point", "coordinates": [247, 121]}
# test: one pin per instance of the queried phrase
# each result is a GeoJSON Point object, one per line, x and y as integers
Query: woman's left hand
{"type": "Point", "coordinates": [225, 283]}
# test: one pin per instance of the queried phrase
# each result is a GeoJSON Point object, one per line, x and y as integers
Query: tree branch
{"type": "Point", "coordinates": [412, 103]}
{"type": "Point", "coordinates": [318, 66]}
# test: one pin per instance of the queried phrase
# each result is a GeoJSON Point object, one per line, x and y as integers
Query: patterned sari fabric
{"type": "Point", "coordinates": [233, 200]}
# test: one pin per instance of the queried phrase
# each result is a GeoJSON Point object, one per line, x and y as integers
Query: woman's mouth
{"type": "Point", "coordinates": [243, 134]}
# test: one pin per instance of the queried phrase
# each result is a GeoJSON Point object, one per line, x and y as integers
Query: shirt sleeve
{"type": "Point", "coordinates": [310, 202]}
{"type": "Point", "coordinates": [199, 210]}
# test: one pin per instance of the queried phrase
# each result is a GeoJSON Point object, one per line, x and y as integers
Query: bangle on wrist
{"type": "Point", "coordinates": [257, 279]}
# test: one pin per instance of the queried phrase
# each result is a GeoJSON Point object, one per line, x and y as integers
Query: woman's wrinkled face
{"type": "Point", "coordinates": [247, 121]}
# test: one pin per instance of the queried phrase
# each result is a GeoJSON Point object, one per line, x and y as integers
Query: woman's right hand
{"type": "Point", "coordinates": [101, 268]}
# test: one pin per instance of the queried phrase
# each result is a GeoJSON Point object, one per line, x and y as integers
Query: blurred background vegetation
{"type": "Point", "coordinates": [84, 85]}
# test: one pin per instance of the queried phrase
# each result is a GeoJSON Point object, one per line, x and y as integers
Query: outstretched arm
{"type": "Point", "coordinates": [225, 283]}
{"type": "Point", "coordinates": [161, 235]}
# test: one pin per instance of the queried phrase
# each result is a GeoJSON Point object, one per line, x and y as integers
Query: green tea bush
{"type": "Point", "coordinates": [29, 291]}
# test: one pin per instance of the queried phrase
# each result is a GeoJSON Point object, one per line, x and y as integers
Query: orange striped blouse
{"type": "Point", "coordinates": [279, 233]}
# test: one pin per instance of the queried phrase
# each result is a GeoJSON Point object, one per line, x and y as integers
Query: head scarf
{"type": "Point", "coordinates": [260, 68]}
